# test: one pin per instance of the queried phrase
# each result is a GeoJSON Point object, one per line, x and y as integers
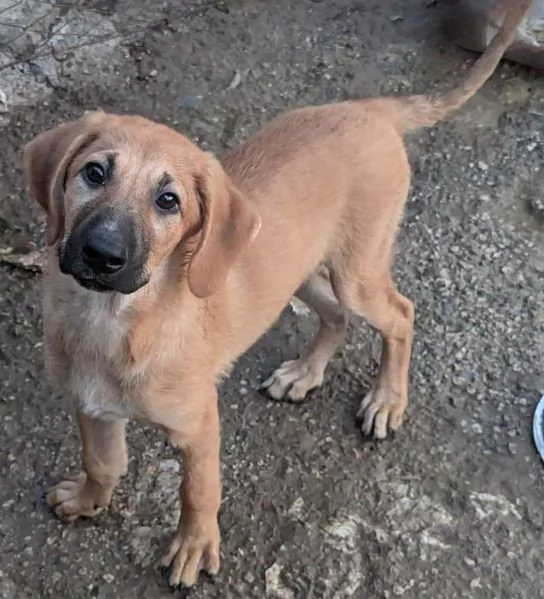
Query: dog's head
{"type": "Point", "coordinates": [127, 198]}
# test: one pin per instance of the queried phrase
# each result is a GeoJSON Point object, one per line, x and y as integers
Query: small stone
{"type": "Point", "coordinates": [482, 166]}
{"type": "Point", "coordinates": [299, 307]}
{"type": "Point", "coordinates": [3, 102]}
{"type": "Point", "coordinates": [189, 101]}
{"type": "Point", "coordinates": [475, 584]}
{"type": "Point", "coordinates": [236, 80]}
{"type": "Point", "coordinates": [222, 6]}
{"type": "Point", "coordinates": [476, 428]}
{"type": "Point", "coordinates": [153, 73]}
{"type": "Point", "coordinates": [109, 578]}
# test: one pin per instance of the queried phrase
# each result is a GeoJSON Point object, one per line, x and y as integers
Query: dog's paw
{"type": "Point", "coordinates": [195, 547]}
{"type": "Point", "coordinates": [381, 411]}
{"type": "Point", "coordinates": [73, 498]}
{"type": "Point", "coordinates": [292, 380]}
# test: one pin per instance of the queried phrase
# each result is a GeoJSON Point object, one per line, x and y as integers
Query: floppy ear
{"type": "Point", "coordinates": [47, 158]}
{"type": "Point", "coordinates": [230, 224]}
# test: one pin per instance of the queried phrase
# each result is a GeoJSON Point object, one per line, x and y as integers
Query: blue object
{"type": "Point", "coordinates": [189, 101]}
{"type": "Point", "coordinates": [538, 427]}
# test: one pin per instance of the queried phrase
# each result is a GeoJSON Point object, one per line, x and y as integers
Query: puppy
{"type": "Point", "coordinates": [164, 265]}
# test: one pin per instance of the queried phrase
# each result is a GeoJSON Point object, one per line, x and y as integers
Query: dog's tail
{"type": "Point", "coordinates": [419, 111]}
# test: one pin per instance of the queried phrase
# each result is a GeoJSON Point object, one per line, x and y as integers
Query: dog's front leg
{"type": "Point", "coordinates": [104, 457]}
{"type": "Point", "coordinates": [195, 545]}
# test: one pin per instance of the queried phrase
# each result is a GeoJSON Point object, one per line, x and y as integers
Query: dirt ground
{"type": "Point", "coordinates": [452, 505]}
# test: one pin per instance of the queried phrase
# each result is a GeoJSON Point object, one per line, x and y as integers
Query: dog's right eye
{"type": "Point", "coordinates": [94, 174]}
{"type": "Point", "coordinates": [167, 201]}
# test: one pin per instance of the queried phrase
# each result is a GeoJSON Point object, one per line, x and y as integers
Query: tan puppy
{"type": "Point", "coordinates": [165, 265]}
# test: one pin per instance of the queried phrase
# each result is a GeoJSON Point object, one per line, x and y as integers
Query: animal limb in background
{"type": "Point", "coordinates": [473, 23]}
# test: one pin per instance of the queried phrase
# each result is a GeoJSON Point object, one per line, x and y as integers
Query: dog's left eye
{"type": "Point", "coordinates": [94, 174]}
{"type": "Point", "coordinates": [167, 201]}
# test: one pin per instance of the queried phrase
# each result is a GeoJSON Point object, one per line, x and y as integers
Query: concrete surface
{"type": "Point", "coordinates": [452, 505]}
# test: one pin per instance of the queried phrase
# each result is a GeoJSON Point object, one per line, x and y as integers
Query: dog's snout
{"type": "Point", "coordinates": [104, 249]}
{"type": "Point", "coordinates": [104, 252]}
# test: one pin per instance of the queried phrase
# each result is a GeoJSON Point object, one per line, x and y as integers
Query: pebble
{"type": "Point", "coordinates": [3, 102]}
{"type": "Point", "coordinates": [476, 428]}
{"type": "Point", "coordinates": [236, 80]}
{"type": "Point", "coordinates": [189, 101]}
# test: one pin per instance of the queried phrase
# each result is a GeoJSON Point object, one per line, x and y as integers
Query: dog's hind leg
{"type": "Point", "coordinates": [293, 379]}
{"type": "Point", "coordinates": [373, 296]}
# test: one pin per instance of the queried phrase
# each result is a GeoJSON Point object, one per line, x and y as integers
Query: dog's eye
{"type": "Point", "coordinates": [94, 174]}
{"type": "Point", "coordinates": [167, 201]}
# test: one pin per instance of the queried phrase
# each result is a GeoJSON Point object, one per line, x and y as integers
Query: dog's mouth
{"type": "Point", "coordinates": [92, 284]}
{"type": "Point", "coordinates": [126, 283]}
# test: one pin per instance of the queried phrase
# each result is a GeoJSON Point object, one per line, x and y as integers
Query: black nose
{"type": "Point", "coordinates": [103, 249]}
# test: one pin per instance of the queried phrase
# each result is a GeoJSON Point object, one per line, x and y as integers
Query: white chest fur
{"type": "Point", "coordinates": [92, 330]}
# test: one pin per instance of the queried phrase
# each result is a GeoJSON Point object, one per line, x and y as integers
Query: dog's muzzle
{"type": "Point", "coordinates": [103, 253]}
